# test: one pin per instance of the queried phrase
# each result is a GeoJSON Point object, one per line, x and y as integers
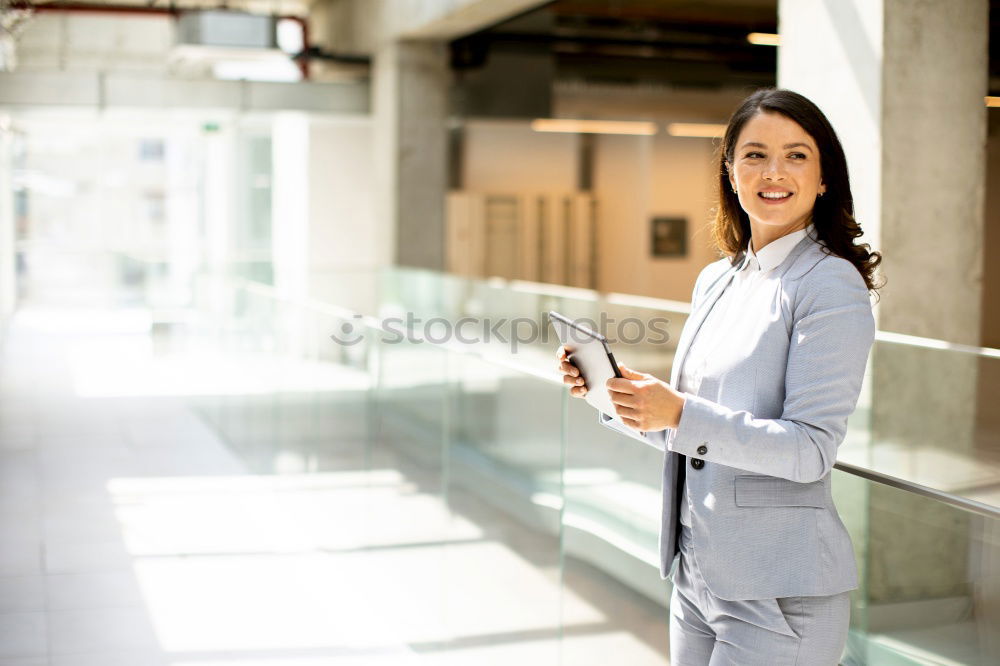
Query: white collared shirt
{"type": "Point", "coordinates": [726, 315]}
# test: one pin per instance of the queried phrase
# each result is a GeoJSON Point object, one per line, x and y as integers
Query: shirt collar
{"type": "Point", "coordinates": [772, 254]}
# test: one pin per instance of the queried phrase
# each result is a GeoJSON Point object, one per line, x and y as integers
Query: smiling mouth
{"type": "Point", "coordinates": [776, 197]}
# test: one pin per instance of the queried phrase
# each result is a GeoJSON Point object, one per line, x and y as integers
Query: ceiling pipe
{"type": "Point", "coordinates": [80, 7]}
{"type": "Point", "coordinates": [303, 63]}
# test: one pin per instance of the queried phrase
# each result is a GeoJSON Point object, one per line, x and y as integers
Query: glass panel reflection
{"type": "Point", "coordinates": [497, 520]}
{"type": "Point", "coordinates": [610, 531]}
{"type": "Point", "coordinates": [931, 571]}
{"type": "Point", "coordinates": [504, 492]}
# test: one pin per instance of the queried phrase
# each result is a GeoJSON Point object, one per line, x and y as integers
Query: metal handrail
{"type": "Point", "coordinates": [973, 506]}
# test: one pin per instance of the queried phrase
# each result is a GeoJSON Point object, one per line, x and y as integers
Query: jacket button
{"type": "Point", "coordinates": [702, 449]}
{"type": "Point", "coordinates": [697, 463]}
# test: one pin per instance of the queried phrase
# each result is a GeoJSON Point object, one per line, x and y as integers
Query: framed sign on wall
{"type": "Point", "coordinates": [669, 236]}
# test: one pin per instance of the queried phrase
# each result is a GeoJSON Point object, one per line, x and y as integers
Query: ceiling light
{"type": "Point", "coordinates": [643, 128]}
{"type": "Point", "coordinates": [697, 130]}
{"type": "Point", "coordinates": [763, 38]}
{"type": "Point", "coordinates": [291, 37]}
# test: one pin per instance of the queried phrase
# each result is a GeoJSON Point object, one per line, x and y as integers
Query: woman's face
{"type": "Point", "coordinates": [775, 155]}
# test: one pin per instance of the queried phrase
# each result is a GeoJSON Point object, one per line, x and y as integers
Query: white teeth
{"type": "Point", "coordinates": [775, 195]}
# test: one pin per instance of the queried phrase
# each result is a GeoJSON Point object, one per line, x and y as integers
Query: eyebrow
{"type": "Point", "coordinates": [787, 145]}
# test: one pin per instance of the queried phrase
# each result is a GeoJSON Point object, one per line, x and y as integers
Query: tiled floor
{"type": "Point", "coordinates": [132, 535]}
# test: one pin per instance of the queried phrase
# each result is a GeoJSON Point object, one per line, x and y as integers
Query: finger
{"type": "Point", "coordinates": [622, 401]}
{"type": "Point", "coordinates": [624, 411]}
{"type": "Point", "coordinates": [578, 391]}
{"type": "Point", "coordinates": [629, 373]}
{"type": "Point", "coordinates": [575, 381]}
{"type": "Point", "coordinates": [569, 369]}
{"type": "Point", "coordinates": [631, 423]}
{"type": "Point", "coordinates": [620, 385]}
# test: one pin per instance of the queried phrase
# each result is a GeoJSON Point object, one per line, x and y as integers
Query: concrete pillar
{"type": "Point", "coordinates": [831, 52]}
{"type": "Point", "coordinates": [8, 268]}
{"type": "Point", "coordinates": [219, 191]}
{"type": "Point", "coordinates": [991, 237]}
{"type": "Point", "coordinates": [290, 194]}
{"type": "Point", "coordinates": [184, 182]}
{"type": "Point", "coordinates": [410, 90]}
{"type": "Point", "coordinates": [903, 82]}
{"type": "Point", "coordinates": [325, 228]}
{"type": "Point", "coordinates": [934, 138]}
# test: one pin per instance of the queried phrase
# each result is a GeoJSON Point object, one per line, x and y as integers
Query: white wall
{"type": "Point", "coordinates": [681, 184]}
{"type": "Point", "coordinates": [635, 178]}
{"type": "Point", "coordinates": [342, 232]}
{"type": "Point", "coordinates": [621, 188]}
{"type": "Point", "coordinates": [507, 156]}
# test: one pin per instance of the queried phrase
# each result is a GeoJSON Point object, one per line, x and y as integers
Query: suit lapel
{"type": "Point", "coordinates": [697, 317]}
{"type": "Point", "coordinates": [695, 321]}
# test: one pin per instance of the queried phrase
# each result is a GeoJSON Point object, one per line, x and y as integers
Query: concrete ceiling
{"type": "Point", "coordinates": [699, 44]}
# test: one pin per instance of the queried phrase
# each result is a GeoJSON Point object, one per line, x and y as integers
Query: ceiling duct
{"type": "Point", "coordinates": [227, 29]}
{"type": "Point", "coordinates": [214, 40]}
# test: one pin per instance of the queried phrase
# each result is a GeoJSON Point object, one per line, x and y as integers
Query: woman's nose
{"type": "Point", "coordinates": [773, 169]}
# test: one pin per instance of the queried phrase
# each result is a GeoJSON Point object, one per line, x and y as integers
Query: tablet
{"type": "Point", "coordinates": [589, 351]}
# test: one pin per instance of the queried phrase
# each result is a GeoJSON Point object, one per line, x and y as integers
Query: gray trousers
{"type": "Point", "coordinates": [708, 631]}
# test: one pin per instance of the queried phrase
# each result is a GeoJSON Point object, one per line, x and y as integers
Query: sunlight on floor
{"type": "Point", "coordinates": [323, 561]}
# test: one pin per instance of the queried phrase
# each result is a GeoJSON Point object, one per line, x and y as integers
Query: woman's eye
{"type": "Point", "coordinates": [755, 154]}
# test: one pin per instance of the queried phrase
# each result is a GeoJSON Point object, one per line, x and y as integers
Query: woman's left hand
{"type": "Point", "coordinates": [644, 402]}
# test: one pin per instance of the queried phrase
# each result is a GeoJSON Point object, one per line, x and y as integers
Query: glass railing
{"type": "Point", "coordinates": [928, 416]}
{"type": "Point", "coordinates": [526, 527]}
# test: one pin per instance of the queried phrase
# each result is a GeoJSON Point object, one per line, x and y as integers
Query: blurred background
{"type": "Point", "coordinates": [212, 450]}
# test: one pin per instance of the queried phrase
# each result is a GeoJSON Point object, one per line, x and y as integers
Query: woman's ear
{"type": "Point", "coordinates": [732, 180]}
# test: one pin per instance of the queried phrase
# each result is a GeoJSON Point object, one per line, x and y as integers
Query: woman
{"type": "Point", "coordinates": [768, 367]}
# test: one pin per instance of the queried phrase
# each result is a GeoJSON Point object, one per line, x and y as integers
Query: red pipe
{"type": "Point", "coordinates": [90, 8]}
{"type": "Point", "coordinates": [303, 63]}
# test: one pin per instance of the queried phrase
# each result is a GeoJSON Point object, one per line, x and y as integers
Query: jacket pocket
{"type": "Point", "coordinates": [772, 491]}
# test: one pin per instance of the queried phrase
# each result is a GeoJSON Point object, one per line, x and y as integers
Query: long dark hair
{"type": "Point", "coordinates": [833, 213]}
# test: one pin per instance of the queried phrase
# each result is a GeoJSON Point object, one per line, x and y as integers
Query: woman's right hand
{"type": "Point", "coordinates": [571, 374]}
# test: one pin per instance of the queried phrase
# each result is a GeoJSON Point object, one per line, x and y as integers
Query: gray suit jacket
{"type": "Point", "coordinates": [767, 420]}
